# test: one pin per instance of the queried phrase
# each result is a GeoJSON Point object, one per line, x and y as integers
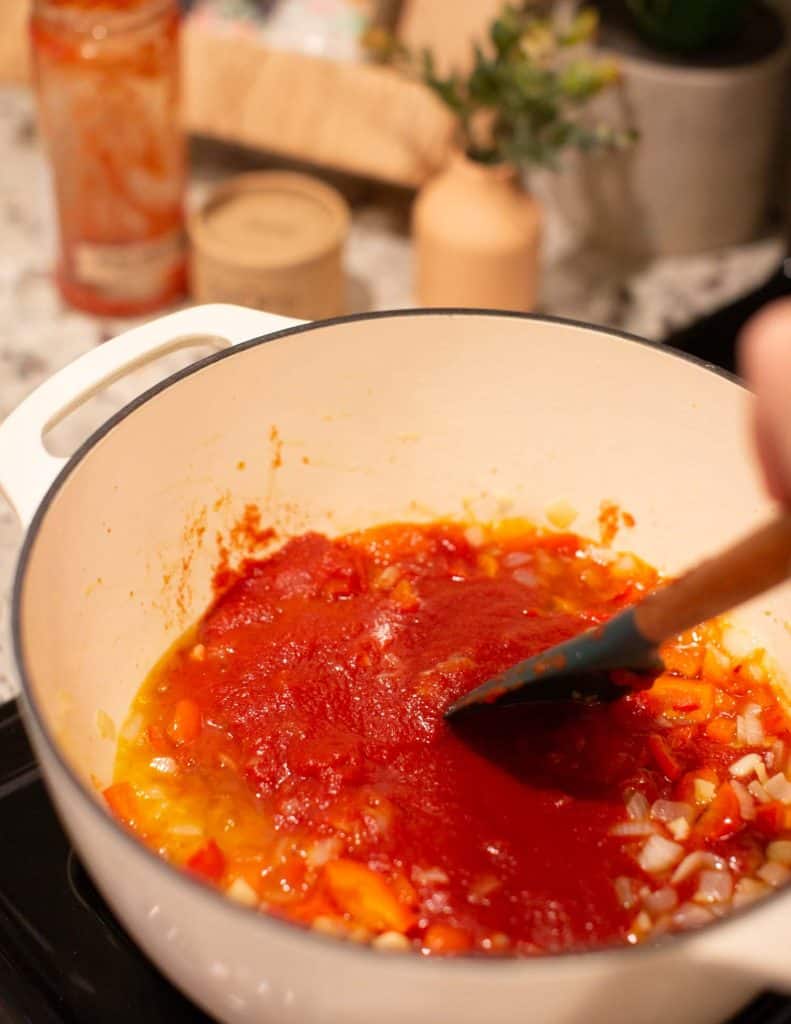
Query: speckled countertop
{"type": "Point", "coordinates": [38, 335]}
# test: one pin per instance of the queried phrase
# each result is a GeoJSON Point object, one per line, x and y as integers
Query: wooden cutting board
{"type": "Point", "coordinates": [349, 116]}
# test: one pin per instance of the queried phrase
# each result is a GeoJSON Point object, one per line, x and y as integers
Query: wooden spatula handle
{"type": "Point", "coordinates": [760, 561]}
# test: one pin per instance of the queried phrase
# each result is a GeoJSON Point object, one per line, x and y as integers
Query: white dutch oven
{"type": "Point", "coordinates": [401, 415]}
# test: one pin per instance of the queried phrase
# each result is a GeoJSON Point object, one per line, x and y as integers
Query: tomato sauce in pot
{"type": "Point", "coordinates": [292, 751]}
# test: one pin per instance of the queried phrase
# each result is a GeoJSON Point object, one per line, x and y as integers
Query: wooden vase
{"type": "Point", "coordinates": [477, 238]}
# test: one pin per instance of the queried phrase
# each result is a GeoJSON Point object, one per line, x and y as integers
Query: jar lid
{"type": "Point", "coordinates": [270, 219]}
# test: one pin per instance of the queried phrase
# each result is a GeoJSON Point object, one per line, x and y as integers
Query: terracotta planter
{"type": "Point", "coordinates": [477, 239]}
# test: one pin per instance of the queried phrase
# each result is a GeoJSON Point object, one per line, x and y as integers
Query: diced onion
{"type": "Point", "coordinates": [327, 925]}
{"type": "Point", "coordinates": [690, 915]}
{"type": "Point", "coordinates": [749, 728]}
{"type": "Point", "coordinates": [625, 892]}
{"type": "Point", "coordinates": [636, 805]}
{"type": "Point", "coordinates": [516, 558]}
{"type": "Point", "coordinates": [779, 788]}
{"type": "Point", "coordinates": [773, 874]}
{"type": "Point", "coordinates": [132, 728]}
{"type": "Point", "coordinates": [242, 892]}
{"type": "Point", "coordinates": [387, 578]}
{"type": "Point", "coordinates": [746, 802]}
{"type": "Point", "coordinates": [602, 556]}
{"type": "Point", "coordinates": [670, 810]}
{"type": "Point", "coordinates": [694, 862]}
{"type": "Point", "coordinates": [748, 890]}
{"type": "Point", "coordinates": [659, 854]}
{"type": "Point", "coordinates": [482, 888]}
{"type": "Point", "coordinates": [641, 926]}
{"type": "Point", "coordinates": [759, 792]}
{"type": "Point", "coordinates": [626, 565]}
{"type": "Point", "coordinates": [780, 851]}
{"type": "Point", "coordinates": [679, 829]}
{"type": "Point", "coordinates": [429, 876]}
{"type": "Point", "coordinates": [393, 942]}
{"type": "Point", "coordinates": [714, 887]}
{"type": "Point", "coordinates": [633, 829]}
{"type": "Point", "coordinates": [738, 642]}
{"type": "Point", "coordinates": [746, 766]}
{"type": "Point", "coordinates": [704, 791]}
{"type": "Point", "coordinates": [661, 901]}
{"type": "Point", "coordinates": [475, 536]}
{"type": "Point", "coordinates": [323, 851]}
{"type": "Point", "coordinates": [526, 577]}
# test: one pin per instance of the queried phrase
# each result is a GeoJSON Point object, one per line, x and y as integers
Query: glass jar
{"type": "Point", "coordinates": [107, 74]}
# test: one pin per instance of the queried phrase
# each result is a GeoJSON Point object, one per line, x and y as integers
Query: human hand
{"type": "Point", "coordinates": [765, 361]}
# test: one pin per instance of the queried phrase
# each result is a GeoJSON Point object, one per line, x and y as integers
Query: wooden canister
{"type": "Point", "coordinates": [272, 240]}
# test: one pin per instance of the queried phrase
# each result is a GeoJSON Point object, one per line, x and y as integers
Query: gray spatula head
{"type": "Point", "coordinates": [575, 670]}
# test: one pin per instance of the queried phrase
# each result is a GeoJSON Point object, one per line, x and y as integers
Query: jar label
{"type": "Point", "coordinates": [131, 270]}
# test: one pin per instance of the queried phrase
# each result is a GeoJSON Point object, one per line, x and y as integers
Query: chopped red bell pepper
{"type": "Point", "coordinates": [185, 725]}
{"type": "Point", "coordinates": [122, 801]}
{"type": "Point", "coordinates": [722, 818]}
{"type": "Point", "coordinates": [770, 819]}
{"type": "Point", "coordinates": [208, 862]}
{"type": "Point", "coordinates": [664, 760]}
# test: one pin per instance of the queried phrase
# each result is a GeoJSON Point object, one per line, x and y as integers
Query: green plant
{"type": "Point", "coordinates": [688, 25]}
{"type": "Point", "coordinates": [524, 98]}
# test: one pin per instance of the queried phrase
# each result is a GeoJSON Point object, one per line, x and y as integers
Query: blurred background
{"type": "Point", "coordinates": [648, 141]}
{"type": "Point", "coordinates": [625, 163]}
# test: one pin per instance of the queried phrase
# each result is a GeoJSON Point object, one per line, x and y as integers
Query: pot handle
{"type": "Point", "coordinates": [26, 467]}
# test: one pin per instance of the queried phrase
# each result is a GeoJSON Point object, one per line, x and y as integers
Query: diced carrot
{"type": "Point", "coordinates": [444, 939]}
{"type": "Point", "coordinates": [488, 564]}
{"type": "Point", "coordinates": [316, 905]}
{"type": "Point", "coordinates": [404, 890]}
{"type": "Point", "coordinates": [185, 725]}
{"type": "Point", "coordinates": [284, 884]}
{"type": "Point", "coordinates": [683, 659]}
{"type": "Point", "coordinates": [723, 701]}
{"type": "Point", "coordinates": [685, 789]}
{"type": "Point", "coordinates": [404, 596]}
{"type": "Point", "coordinates": [770, 819]}
{"type": "Point", "coordinates": [682, 698]}
{"type": "Point", "coordinates": [664, 760]}
{"type": "Point", "coordinates": [122, 801]}
{"type": "Point", "coordinates": [721, 729]}
{"type": "Point", "coordinates": [208, 862]}
{"type": "Point", "coordinates": [722, 818]}
{"type": "Point", "coordinates": [762, 696]}
{"type": "Point", "coordinates": [366, 897]}
{"type": "Point", "coordinates": [717, 666]}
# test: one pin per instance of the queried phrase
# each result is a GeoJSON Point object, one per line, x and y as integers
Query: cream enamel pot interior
{"type": "Point", "coordinates": [401, 415]}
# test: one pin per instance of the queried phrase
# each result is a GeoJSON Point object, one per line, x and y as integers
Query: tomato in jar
{"type": "Point", "coordinates": [107, 74]}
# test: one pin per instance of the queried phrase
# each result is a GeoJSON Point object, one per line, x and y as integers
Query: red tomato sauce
{"type": "Point", "coordinates": [297, 740]}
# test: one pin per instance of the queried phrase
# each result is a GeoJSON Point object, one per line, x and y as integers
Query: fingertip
{"type": "Point", "coordinates": [765, 343]}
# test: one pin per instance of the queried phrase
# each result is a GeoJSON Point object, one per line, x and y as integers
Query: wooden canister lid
{"type": "Point", "coordinates": [274, 240]}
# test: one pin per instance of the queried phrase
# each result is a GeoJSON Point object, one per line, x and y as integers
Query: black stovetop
{"type": "Point", "coordinates": [64, 959]}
